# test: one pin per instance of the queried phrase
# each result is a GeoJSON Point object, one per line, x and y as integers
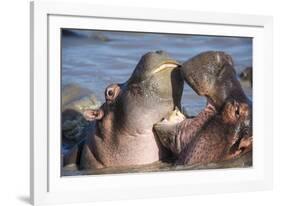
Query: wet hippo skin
{"type": "Point", "coordinates": [224, 136]}
{"type": "Point", "coordinates": [122, 132]}
{"type": "Point", "coordinates": [223, 129]}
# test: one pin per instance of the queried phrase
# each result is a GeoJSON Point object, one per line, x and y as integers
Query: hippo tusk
{"type": "Point", "coordinates": [165, 66]}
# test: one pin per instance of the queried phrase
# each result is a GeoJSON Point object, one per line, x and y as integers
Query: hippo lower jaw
{"type": "Point", "coordinates": [170, 131]}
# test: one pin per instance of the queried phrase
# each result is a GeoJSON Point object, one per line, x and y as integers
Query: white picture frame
{"type": "Point", "coordinates": [47, 186]}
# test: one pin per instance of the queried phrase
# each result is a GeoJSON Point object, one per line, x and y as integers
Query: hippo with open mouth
{"type": "Point", "coordinates": [223, 130]}
{"type": "Point", "coordinates": [122, 131]}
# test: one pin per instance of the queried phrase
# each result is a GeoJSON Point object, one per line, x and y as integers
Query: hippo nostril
{"type": "Point", "coordinates": [159, 52]}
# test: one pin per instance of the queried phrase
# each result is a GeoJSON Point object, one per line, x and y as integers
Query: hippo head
{"type": "Point", "coordinates": [212, 74]}
{"type": "Point", "coordinates": [155, 81]}
{"type": "Point", "coordinates": [125, 120]}
{"type": "Point", "coordinates": [154, 89]}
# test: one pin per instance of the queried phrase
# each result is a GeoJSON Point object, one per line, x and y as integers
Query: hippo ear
{"type": "Point", "coordinates": [93, 114]}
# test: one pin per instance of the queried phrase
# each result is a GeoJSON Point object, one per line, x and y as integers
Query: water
{"type": "Point", "coordinates": [244, 161]}
{"type": "Point", "coordinates": [95, 59]}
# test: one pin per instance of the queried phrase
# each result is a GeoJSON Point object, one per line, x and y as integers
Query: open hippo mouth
{"type": "Point", "coordinates": [210, 74]}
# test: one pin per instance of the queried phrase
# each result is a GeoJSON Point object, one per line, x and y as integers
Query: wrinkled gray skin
{"type": "Point", "coordinates": [219, 128]}
{"type": "Point", "coordinates": [122, 128]}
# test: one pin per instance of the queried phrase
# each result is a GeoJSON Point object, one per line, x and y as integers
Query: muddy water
{"type": "Point", "coordinates": [93, 60]}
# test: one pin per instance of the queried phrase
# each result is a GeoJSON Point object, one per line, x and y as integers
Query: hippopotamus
{"type": "Point", "coordinates": [122, 128]}
{"type": "Point", "coordinates": [223, 129]}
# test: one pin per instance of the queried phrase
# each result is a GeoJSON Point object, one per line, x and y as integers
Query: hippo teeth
{"type": "Point", "coordinates": [164, 67]}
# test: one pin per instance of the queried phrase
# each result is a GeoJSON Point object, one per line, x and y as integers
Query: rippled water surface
{"type": "Point", "coordinates": [95, 59]}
